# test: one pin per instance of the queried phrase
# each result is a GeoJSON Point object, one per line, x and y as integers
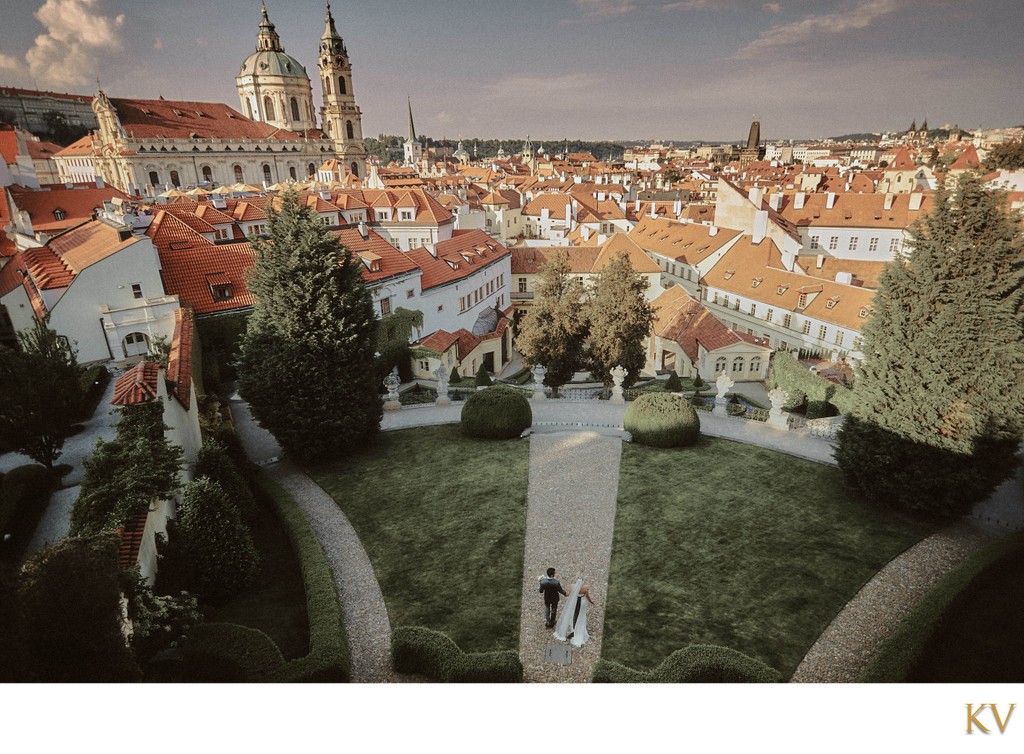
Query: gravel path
{"type": "Point", "coordinates": [845, 648]}
{"type": "Point", "coordinates": [574, 482]}
{"type": "Point", "coordinates": [362, 604]}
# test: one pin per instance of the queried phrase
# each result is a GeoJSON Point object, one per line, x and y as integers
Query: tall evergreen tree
{"type": "Point", "coordinates": [554, 330]}
{"type": "Point", "coordinates": [307, 359]}
{"type": "Point", "coordinates": [620, 319]}
{"type": "Point", "coordinates": [937, 416]}
{"type": "Point", "coordinates": [43, 394]}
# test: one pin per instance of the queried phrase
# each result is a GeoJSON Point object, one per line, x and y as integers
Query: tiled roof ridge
{"type": "Point", "coordinates": [138, 385]}
{"type": "Point", "coordinates": [179, 362]}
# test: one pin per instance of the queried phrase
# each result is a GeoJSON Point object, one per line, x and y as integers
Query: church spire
{"type": "Point", "coordinates": [268, 39]}
{"type": "Point", "coordinates": [412, 128]}
{"type": "Point", "coordinates": [331, 39]}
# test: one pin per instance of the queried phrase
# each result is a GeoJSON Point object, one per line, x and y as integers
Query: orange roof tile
{"type": "Point", "coordinates": [685, 242]}
{"type": "Point", "coordinates": [684, 320]}
{"type": "Point", "coordinates": [179, 362]}
{"type": "Point", "coordinates": [620, 244]}
{"type": "Point", "coordinates": [479, 247]}
{"type": "Point", "coordinates": [138, 385]}
{"type": "Point", "coordinates": [77, 204]}
{"type": "Point", "coordinates": [185, 270]}
{"type": "Point", "coordinates": [171, 119]}
{"type": "Point", "coordinates": [854, 211]}
{"type": "Point", "coordinates": [527, 260]}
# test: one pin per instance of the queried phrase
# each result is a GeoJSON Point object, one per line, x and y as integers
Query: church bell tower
{"type": "Point", "coordinates": [341, 118]}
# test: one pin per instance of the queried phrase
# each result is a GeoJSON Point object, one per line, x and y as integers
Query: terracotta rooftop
{"type": "Point", "coordinates": [76, 204]}
{"type": "Point", "coordinates": [138, 385]}
{"type": "Point", "coordinates": [684, 242]}
{"type": "Point", "coordinates": [179, 119]}
{"type": "Point", "coordinates": [684, 320]}
{"type": "Point", "coordinates": [528, 260]}
{"type": "Point", "coordinates": [179, 362]}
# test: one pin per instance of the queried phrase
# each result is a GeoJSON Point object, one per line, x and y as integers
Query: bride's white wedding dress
{"type": "Point", "coordinates": [572, 625]}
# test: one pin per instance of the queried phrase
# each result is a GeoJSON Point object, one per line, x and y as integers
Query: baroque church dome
{"type": "Point", "coordinates": [273, 63]}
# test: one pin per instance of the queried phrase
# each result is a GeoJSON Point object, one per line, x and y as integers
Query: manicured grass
{"type": "Point", "coordinates": [728, 544]}
{"type": "Point", "coordinates": [443, 519]}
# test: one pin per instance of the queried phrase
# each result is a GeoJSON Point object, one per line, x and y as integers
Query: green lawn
{"type": "Point", "coordinates": [730, 544]}
{"type": "Point", "coordinates": [443, 519]}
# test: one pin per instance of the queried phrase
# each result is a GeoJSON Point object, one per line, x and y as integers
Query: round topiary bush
{"type": "Point", "coordinates": [662, 420]}
{"type": "Point", "coordinates": [497, 413]}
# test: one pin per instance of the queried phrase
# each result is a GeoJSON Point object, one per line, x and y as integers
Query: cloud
{"type": "Point", "coordinates": [158, 44]}
{"type": "Point", "coordinates": [798, 32]}
{"type": "Point", "coordinates": [78, 39]}
{"type": "Point", "coordinates": [9, 62]}
{"type": "Point", "coordinates": [605, 8]}
{"type": "Point", "coordinates": [772, 7]}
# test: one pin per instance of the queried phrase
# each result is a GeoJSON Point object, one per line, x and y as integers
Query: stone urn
{"type": "Point", "coordinates": [539, 372]}
{"type": "Point", "coordinates": [776, 416]}
{"type": "Point", "coordinates": [441, 375]}
{"type": "Point", "coordinates": [391, 400]}
{"type": "Point", "coordinates": [723, 384]}
{"type": "Point", "coordinates": [619, 374]}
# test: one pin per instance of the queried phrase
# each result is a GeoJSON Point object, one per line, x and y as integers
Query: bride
{"type": "Point", "coordinates": [572, 625]}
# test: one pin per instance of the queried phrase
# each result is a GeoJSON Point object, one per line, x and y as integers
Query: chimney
{"type": "Point", "coordinates": [845, 278]}
{"type": "Point", "coordinates": [585, 232]}
{"type": "Point", "coordinates": [760, 225]}
{"type": "Point", "coordinates": [915, 201]}
{"type": "Point", "coordinates": [788, 260]}
{"type": "Point", "coordinates": [325, 195]}
{"type": "Point", "coordinates": [798, 200]}
{"type": "Point", "coordinates": [820, 261]}
{"type": "Point", "coordinates": [888, 202]}
{"type": "Point", "coordinates": [218, 201]}
{"type": "Point", "coordinates": [775, 201]}
{"type": "Point", "coordinates": [713, 231]}
{"type": "Point", "coordinates": [363, 231]}
{"type": "Point", "coordinates": [830, 199]}
{"type": "Point", "coordinates": [677, 208]}
{"type": "Point", "coordinates": [636, 207]}
{"type": "Point", "coordinates": [654, 209]}
{"type": "Point", "coordinates": [755, 195]}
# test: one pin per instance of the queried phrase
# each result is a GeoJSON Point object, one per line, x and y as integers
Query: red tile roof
{"type": "Point", "coordinates": [170, 119]}
{"type": "Point", "coordinates": [138, 385]}
{"type": "Point", "coordinates": [42, 150]}
{"type": "Point", "coordinates": [528, 260]}
{"type": "Point", "coordinates": [684, 320]}
{"type": "Point", "coordinates": [463, 254]}
{"type": "Point", "coordinates": [392, 261]}
{"type": "Point", "coordinates": [179, 362]}
{"type": "Point", "coordinates": [131, 534]}
{"type": "Point", "coordinates": [76, 203]}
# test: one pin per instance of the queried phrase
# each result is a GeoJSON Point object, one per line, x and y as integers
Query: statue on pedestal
{"type": "Point", "coordinates": [776, 417]}
{"type": "Point", "coordinates": [441, 375]}
{"type": "Point", "coordinates": [391, 382]}
{"type": "Point", "coordinates": [618, 375]}
{"type": "Point", "coordinates": [539, 372]}
{"type": "Point", "coordinates": [724, 384]}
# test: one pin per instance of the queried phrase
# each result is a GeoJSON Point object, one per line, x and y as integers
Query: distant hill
{"type": "Point", "coordinates": [856, 137]}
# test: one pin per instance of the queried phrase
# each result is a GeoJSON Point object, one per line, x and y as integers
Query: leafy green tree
{"type": "Point", "coordinates": [1006, 156]}
{"type": "Point", "coordinates": [44, 394]}
{"type": "Point", "coordinates": [214, 461]}
{"type": "Point", "coordinates": [620, 319]}
{"type": "Point", "coordinates": [71, 601]}
{"type": "Point", "coordinates": [936, 407]}
{"type": "Point", "coordinates": [307, 359]}
{"type": "Point", "coordinates": [61, 131]}
{"type": "Point", "coordinates": [219, 547]}
{"type": "Point", "coordinates": [128, 472]}
{"type": "Point", "coordinates": [554, 330]}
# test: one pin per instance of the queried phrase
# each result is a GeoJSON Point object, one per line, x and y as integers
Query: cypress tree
{"type": "Point", "coordinates": [620, 319]}
{"type": "Point", "coordinates": [554, 329]}
{"type": "Point", "coordinates": [936, 416]}
{"type": "Point", "coordinates": [307, 358]}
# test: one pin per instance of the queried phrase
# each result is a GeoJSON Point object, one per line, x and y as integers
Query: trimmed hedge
{"type": "Point", "coordinates": [94, 381]}
{"type": "Point", "coordinates": [497, 413]}
{"type": "Point", "coordinates": [24, 495]}
{"type": "Point", "coordinates": [898, 656]}
{"type": "Point", "coordinates": [697, 663]}
{"type": "Point", "coordinates": [239, 653]}
{"type": "Point", "coordinates": [820, 396]}
{"type": "Point", "coordinates": [482, 379]}
{"type": "Point", "coordinates": [662, 420]}
{"type": "Point", "coordinates": [673, 384]}
{"type": "Point", "coordinates": [415, 649]}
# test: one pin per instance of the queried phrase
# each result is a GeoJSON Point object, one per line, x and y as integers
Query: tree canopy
{"type": "Point", "coordinates": [936, 415]}
{"type": "Point", "coordinates": [554, 329]}
{"type": "Point", "coordinates": [620, 318]}
{"type": "Point", "coordinates": [307, 358]}
{"type": "Point", "coordinates": [1006, 156]}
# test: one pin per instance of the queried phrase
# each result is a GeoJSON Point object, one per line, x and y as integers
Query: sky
{"type": "Point", "coordinates": [554, 69]}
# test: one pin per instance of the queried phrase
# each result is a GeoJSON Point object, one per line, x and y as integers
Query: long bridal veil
{"type": "Point", "coordinates": [564, 626]}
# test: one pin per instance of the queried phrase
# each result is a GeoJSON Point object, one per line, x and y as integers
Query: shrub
{"type": "Point", "coordinates": [697, 399]}
{"type": "Point", "coordinates": [697, 663]}
{"type": "Point", "coordinates": [94, 381]}
{"type": "Point", "coordinates": [673, 385]}
{"type": "Point", "coordinates": [820, 410]}
{"type": "Point", "coordinates": [482, 378]}
{"type": "Point", "coordinates": [24, 494]}
{"type": "Point", "coordinates": [662, 420]}
{"type": "Point", "coordinates": [497, 413]}
{"type": "Point", "coordinates": [823, 398]}
{"type": "Point", "coordinates": [219, 547]}
{"type": "Point", "coordinates": [698, 382]}
{"type": "Point", "coordinates": [735, 409]}
{"type": "Point", "coordinates": [214, 461]}
{"type": "Point", "coordinates": [415, 649]}
{"type": "Point", "coordinates": [454, 377]}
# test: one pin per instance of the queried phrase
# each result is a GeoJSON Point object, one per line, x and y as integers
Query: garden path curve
{"type": "Point", "coordinates": [362, 604]}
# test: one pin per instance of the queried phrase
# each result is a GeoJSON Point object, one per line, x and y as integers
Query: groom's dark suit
{"type": "Point", "coordinates": [551, 588]}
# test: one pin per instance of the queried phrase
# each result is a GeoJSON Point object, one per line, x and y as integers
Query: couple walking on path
{"type": "Point", "coordinates": [572, 626]}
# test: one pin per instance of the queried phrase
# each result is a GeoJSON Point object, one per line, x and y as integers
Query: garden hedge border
{"type": "Point", "coordinates": [898, 655]}
{"type": "Point", "coordinates": [697, 663]}
{"type": "Point", "coordinates": [819, 393]}
{"type": "Point", "coordinates": [228, 646]}
{"type": "Point", "coordinates": [415, 649]}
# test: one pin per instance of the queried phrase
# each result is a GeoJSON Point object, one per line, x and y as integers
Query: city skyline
{"type": "Point", "coordinates": [588, 69]}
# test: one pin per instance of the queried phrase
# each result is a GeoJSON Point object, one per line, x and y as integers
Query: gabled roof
{"type": "Point", "coordinates": [180, 119]}
{"type": "Point", "coordinates": [77, 204]}
{"type": "Point", "coordinates": [620, 244]}
{"type": "Point", "coordinates": [684, 320]}
{"type": "Point", "coordinates": [855, 210]}
{"type": "Point", "coordinates": [968, 160]}
{"type": "Point", "coordinates": [451, 263]}
{"type": "Point", "coordinates": [392, 261]}
{"type": "Point", "coordinates": [528, 260]}
{"type": "Point", "coordinates": [138, 385]}
{"type": "Point", "coordinates": [685, 242]}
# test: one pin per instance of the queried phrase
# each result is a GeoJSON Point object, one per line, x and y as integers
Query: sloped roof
{"type": "Point", "coordinates": [682, 319]}
{"type": "Point", "coordinates": [179, 362]}
{"type": "Point", "coordinates": [180, 119]}
{"type": "Point", "coordinates": [77, 204]}
{"type": "Point", "coordinates": [684, 242]}
{"type": "Point", "coordinates": [138, 385]}
{"type": "Point", "coordinates": [854, 210]}
{"type": "Point", "coordinates": [392, 261]}
{"type": "Point", "coordinates": [621, 244]}
{"type": "Point", "coordinates": [528, 260]}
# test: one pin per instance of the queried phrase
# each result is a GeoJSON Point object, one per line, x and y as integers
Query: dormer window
{"type": "Point", "coordinates": [782, 289]}
{"type": "Point", "coordinates": [802, 301]}
{"type": "Point", "coordinates": [221, 292]}
{"type": "Point", "coordinates": [831, 303]}
{"type": "Point", "coordinates": [756, 282]}
{"type": "Point", "coordinates": [59, 214]}
{"type": "Point", "coordinates": [863, 313]}
{"type": "Point", "coordinates": [406, 214]}
{"type": "Point", "coordinates": [729, 274]}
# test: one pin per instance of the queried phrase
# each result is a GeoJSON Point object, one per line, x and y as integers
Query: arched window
{"type": "Point", "coordinates": [295, 109]}
{"type": "Point", "coordinates": [342, 88]}
{"type": "Point", "coordinates": [175, 180]}
{"type": "Point", "coordinates": [291, 173]}
{"type": "Point", "coordinates": [135, 344]}
{"type": "Point", "coordinates": [266, 172]}
{"type": "Point", "coordinates": [239, 177]}
{"type": "Point", "coordinates": [350, 130]}
{"type": "Point", "coordinates": [755, 364]}
{"type": "Point", "coordinates": [268, 108]}
{"type": "Point", "coordinates": [720, 364]}
{"type": "Point", "coordinates": [207, 174]}
{"type": "Point", "coordinates": [154, 179]}
{"type": "Point", "coordinates": [327, 85]}
{"type": "Point", "coordinates": [310, 169]}
{"type": "Point", "coordinates": [737, 364]}
{"type": "Point", "coordinates": [355, 169]}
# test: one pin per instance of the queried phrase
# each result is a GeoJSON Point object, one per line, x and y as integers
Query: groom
{"type": "Point", "coordinates": [550, 587]}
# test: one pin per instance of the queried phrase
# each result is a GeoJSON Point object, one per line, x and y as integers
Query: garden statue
{"type": "Point", "coordinates": [776, 417]}
{"type": "Point", "coordinates": [539, 372]}
{"type": "Point", "coordinates": [391, 382]}
{"type": "Point", "coordinates": [441, 375]}
{"type": "Point", "coordinates": [618, 375]}
{"type": "Point", "coordinates": [724, 384]}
